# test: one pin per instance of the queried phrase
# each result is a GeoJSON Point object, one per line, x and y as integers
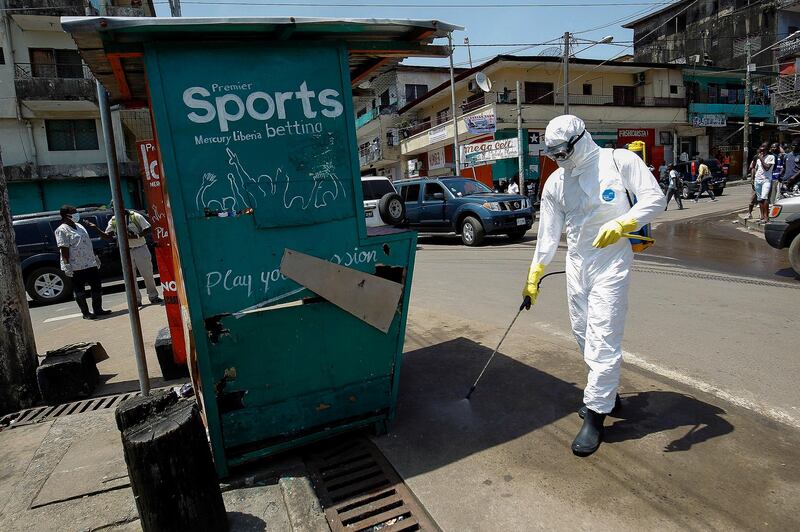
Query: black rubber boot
{"type": "Point", "coordinates": [617, 406]}
{"type": "Point", "coordinates": [591, 434]}
{"type": "Point", "coordinates": [97, 304]}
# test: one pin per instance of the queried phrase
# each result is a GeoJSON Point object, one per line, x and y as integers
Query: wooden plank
{"type": "Point", "coordinates": [371, 299]}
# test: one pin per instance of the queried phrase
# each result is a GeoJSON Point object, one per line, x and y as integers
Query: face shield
{"type": "Point", "coordinates": [562, 151]}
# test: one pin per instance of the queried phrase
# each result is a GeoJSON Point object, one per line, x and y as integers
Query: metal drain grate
{"type": "Point", "coordinates": [45, 413]}
{"type": "Point", "coordinates": [360, 491]}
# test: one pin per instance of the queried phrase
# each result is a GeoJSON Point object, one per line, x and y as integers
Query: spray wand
{"type": "Point", "coordinates": [526, 305]}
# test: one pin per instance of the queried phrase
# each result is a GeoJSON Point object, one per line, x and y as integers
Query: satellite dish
{"type": "Point", "coordinates": [482, 81]}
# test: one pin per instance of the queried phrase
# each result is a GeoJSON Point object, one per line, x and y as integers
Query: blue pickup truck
{"type": "Point", "coordinates": [465, 207]}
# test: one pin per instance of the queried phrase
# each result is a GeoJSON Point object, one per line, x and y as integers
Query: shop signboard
{"type": "Point", "coordinates": [710, 120]}
{"type": "Point", "coordinates": [493, 150]}
{"type": "Point", "coordinates": [482, 123]}
{"type": "Point", "coordinates": [628, 135]}
{"type": "Point", "coordinates": [436, 159]}
{"type": "Point", "coordinates": [156, 210]}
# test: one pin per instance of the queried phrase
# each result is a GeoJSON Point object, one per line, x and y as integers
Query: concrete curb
{"type": "Point", "coordinates": [750, 223]}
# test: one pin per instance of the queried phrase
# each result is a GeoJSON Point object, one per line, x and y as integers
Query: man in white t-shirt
{"type": "Point", "coordinates": [79, 262]}
{"type": "Point", "coordinates": [762, 180]}
{"type": "Point", "coordinates": [138, 229]}
{"type": "Point", "coordinates": [513, 187]}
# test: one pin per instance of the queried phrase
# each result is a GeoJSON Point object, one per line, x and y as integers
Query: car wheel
{"type": "Point", "coordinates": [794, 255]}
{"type": "Point", "coordinates": [472, 232]}
{"type": "Point", "coordinates": [517, 235]}
{"type": "Point", "coordinates": [48, 285]}
{"type": "Point", "coordinates": [685, 193]}
{"type": "Point", "coordinates": [392, 209]}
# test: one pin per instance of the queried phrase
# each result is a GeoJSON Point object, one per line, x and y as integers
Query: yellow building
{"type": "Point", "coordinates": [620, 102]}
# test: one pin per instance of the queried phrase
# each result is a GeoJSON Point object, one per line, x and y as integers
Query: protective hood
{"type": "Point", "coordinates": [562, 129]}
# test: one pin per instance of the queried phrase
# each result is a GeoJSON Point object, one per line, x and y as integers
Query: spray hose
{"type": "Point", "coordinates": [526, 303]}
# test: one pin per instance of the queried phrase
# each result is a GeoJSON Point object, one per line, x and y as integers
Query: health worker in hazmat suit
{"type": "Point", "coordinates": [589, 197]}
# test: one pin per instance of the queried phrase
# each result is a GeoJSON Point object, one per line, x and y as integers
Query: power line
{"type": "Point", "coordinates": [568, 83]}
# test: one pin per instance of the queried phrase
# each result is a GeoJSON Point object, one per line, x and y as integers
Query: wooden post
{"type": "Point", "coordinates": [169, 464]}
{"type": "Point", "coordinates": [18, 360]}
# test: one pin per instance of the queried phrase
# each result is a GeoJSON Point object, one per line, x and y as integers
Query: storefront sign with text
{"type": "Point", "coordinates": [493, 150]}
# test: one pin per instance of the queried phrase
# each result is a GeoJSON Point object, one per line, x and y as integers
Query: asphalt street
{"type": "Point", "coordinates": [711, 305]}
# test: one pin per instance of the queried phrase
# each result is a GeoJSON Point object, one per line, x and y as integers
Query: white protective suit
{"type": "Point", "coordinates": [587, 191]}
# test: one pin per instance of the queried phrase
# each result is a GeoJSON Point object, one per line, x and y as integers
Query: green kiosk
{"type": "Point", "coordinates": [294, 311]}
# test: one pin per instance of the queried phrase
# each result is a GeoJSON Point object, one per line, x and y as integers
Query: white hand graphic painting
{"type": "Point", "coordinates": [243, 191]}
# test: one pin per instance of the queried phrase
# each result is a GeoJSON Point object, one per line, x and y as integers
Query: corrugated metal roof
{"type": "Point", "coordinates": [112, 46]}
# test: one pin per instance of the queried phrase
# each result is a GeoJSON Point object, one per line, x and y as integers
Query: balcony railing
{"type": "Point", "coordinates": [374, 113]}
{"type": "Point", "coordinates": [789, 48]}
{"type": "Point", "coordinates": [473, 103]}
{"type": "Point", "coordinates": [52, 71]}
{"type": "Point", "coordinates": [362, 120]}
{"type": "Point", "coordinates": [54, 82]}
{"type": "Point", "coordinates": [124, 11]}
{"type": "Point", "coordinates": [787, 92]}
{"type": "Point", "coordinates": [52, 8]}
{"type": "Point", "coordinates": [417, 128]}
{"type": "Point", "coordinates": [602, 99]}
{"type": "Point", "coordinates": [376, 151]}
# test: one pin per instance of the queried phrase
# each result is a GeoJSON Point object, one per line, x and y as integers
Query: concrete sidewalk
{"type": "Point", "coordinates": [675, 459]}
{"type": "Point", "coordinates": [58, 325]}
{"type": "Point", "coordinates": [69, 474]}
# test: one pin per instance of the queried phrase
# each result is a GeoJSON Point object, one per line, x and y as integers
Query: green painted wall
{"type": "Point", "coordinates": [37, 196]}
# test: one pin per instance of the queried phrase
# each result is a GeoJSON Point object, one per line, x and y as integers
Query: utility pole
{"type": "Point", "coordinates": [469, 52]}
{"type": "Point", "coordinates": [456, 154]}
{"type": "Point", "coordinates": [122, 236]}
{"type": "Point", "coordinates": [175, 8]}
{"type": "Point", "coordinates": [18, 388]}
{"type": "Point", "coordinates": [566, 72]}
{"type": "Point", "coordinates": [746, 132]}
{"type": "Point", "coordinates": [520, 137]}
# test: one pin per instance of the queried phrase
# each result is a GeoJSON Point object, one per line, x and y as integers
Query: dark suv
{"type": "Point", "coordinates": [39, 255]}
{"type": "Point", "coordinates": [465, 207]}
{"type": "Point", "coordinates": [691, 186]}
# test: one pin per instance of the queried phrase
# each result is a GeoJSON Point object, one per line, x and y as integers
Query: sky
{"type": "Point", "coordinates": [510, 23]}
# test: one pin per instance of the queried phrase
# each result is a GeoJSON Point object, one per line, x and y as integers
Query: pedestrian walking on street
{"type": "Point", "coordinates": [751, 175]}
{"type": "Point", "coordinates": [138, 229]}
{"type": "Point", "coordinates": [663, 171]}
{"type": "Point", "coordinates": [589, 197]}
{"type": "Point", "coordinates": [703, 180]}
{"type": "Point", "coordinates": [791, 170]}
{"type": "Point", "coordinates": [79, 262]}
{"type": "Point", "coordinates": [763, 180]}
{"type": "Point", "coordinates": [674, 186]}
{"type": "Point", "coordinates": [777, 171]}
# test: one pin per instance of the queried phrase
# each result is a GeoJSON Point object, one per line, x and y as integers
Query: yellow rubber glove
{"type": "Point", "coordinates": [531, 289]}
{"type": "Point", "coordinates": [612, 231]}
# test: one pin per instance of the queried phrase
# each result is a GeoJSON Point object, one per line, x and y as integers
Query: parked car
{"type": "Point", "coordinates": [39, 255]}
{"type": "Point", "coordinates": [465, 207]}
{"type": "Point", "coordinates": [382, 204]}
{"type": "Point", "coordinates": [783, 229]}
{"type": "Point", "coordinates": [690, 185]}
